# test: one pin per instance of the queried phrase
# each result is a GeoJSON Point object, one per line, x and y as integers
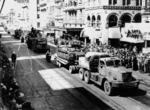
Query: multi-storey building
{"type": "Point", "coordinates": [74, 16]}
{"type": "Point", "coordinates": [42, 13]}
{"type": "Point", "coordinates": [146, 11]}
{"type": "Point", "coordinates": [106, 14]}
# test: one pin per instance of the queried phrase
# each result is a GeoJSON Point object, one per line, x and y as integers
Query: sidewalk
{"type": "Point", "coordinates": [2, 106]}
{"type": "Point", "coordinates": [143, 77]}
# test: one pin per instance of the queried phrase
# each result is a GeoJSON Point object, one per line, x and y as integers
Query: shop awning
{"type": "Point", "coordinates": [114, 33]}
{"type": "Point", "coordinates": [132, 40]}
{"type": "Point", "coordinates": [132, 33]}
{"type": "Point", "coordinates": [91, 33]}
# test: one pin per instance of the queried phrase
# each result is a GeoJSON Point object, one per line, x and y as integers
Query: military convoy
{"type": "Point", "coordinates": [100, 68]}
{"type": "Point", "coordinates": [35, 41]}
{"type": "Point", "coordinates": [105, 71]}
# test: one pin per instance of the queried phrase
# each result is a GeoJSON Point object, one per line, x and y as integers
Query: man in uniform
{"type": "Point", "coordinates": [13, 58]}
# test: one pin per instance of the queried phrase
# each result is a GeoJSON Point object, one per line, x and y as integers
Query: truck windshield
{"type": "Point", "coordinates": [113, 62]}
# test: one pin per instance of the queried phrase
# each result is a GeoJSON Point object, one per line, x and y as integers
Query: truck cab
{"type": "Point", "coordinates": [107, 72]}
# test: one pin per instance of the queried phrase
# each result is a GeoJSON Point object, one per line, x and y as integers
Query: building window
{"type": "Point", "coordinates": [98, 20]}
{"type": "Point", "coordinates": [89, 2]}
{"type": "Point", "coordinates": [123, 2]}
{"type": "Point", "coordinates": [140, 2]}
{"type": "Point", "coordinates": [114, 2]}
{"type": "Point", "coordinates": [110, 2]}
{"type": "Point", "coordinates": [37, 1]}
{"type": "Point", "coordinates": [93, 21]}
{"type": "Point", "coordinates": [137, 2]}
{"type": "Point", "coordinates": [128, 2]}
{"type": "Point", "coordinates": [38, 16]}
{"type": "Point", "coordinates": [38, 24]}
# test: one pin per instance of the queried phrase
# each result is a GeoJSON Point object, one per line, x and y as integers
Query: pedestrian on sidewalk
{"type": "Point", "coordinates": [48, 55]}
{"type": "Point", "coordinates": [13, 58]}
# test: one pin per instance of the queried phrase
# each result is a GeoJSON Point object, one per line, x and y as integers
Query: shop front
{"type": "Point", "coordinates": [132, 37]}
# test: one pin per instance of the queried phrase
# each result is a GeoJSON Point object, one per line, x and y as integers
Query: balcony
{"type": "Point", "coordinates": [76, 22]}
{"type": "Point", "coordinates": [122, 7]}
{"type": "Point", "coordinates": [73, 7]}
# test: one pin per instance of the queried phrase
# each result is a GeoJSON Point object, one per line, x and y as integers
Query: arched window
{"type": "Point", "coordinates": [110, 2]}
{"type": "Point", "coordinates": [98, 20]}
{"type": "Point", "coordinates": [125, 18]}
{"type": "Point", "coordinates": [93, 20]}
{"type": "Point", "coordinates": [128, 2]}
{"type": "Point", "coordinates": [137, 18]}
{"type": "Point", "coordinates": [137, 2]}
{"type": "Point", "coordinates": [89, 20]}
{"type": "Point", "coordinates": [114, 2]}
{"type": "Point", "coordinates": [123, 2]}
{"type": "Point", "coordinates": [140, 2]}
{"type": "Point", "coordinates": [112, 20]}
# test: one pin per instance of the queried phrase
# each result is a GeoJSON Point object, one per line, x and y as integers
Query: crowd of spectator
{"type": "Point", "coordinates": [130, 58]}
{"type": "Point", "coordinates": [11, 94]}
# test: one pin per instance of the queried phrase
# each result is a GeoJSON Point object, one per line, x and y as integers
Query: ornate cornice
{"type": "Point", "coordinates": [122, 7]}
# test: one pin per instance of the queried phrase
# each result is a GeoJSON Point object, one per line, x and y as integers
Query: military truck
{"type": "Point", "coordinates": [18, 33]}
{"type": "Point", "coordinates": [106, 71]}
{"type": "Point", "coordinates": [68, 55]}
{"type": "Point", "coordinates": [36, 41]}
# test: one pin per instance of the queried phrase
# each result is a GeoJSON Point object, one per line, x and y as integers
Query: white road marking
{"type": "Point", "coordinates": [54, 80]}
{"type": "Point", "coordinates": [14, 41]}
{"type": "Point", "coordinates": [18, 44]}
{"type": "Point", "coordinates": [30, 57]}
{"type": "Point", "coordinates": [50, 44]}
{"type": "Point", "coordinates": [5, 36]}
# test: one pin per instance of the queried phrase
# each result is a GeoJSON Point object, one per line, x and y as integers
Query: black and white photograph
{"type": "Point", "coordinates": [74, 54]}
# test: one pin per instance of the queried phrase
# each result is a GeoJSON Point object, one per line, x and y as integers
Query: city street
{"type": "Point", "coordinates": [51, 88]}
{"type": "Point", "coordinates": [75, 54]}
{"type": "Point", "coordinates": [58, 93]}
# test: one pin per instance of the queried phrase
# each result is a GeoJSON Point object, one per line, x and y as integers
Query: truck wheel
{"type": "Point", "coordinates": [81, 73]}
{"type": "Point", "coordinates": [107, 88]}
{"type": "Point", "coordinates": [71, 69]}
{"type": "Point", "coordinates": [59, 64]}
{"type": "Point", "coordinates": [87, 76]}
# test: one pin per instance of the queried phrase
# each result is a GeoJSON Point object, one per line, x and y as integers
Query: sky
{"type": "Point", "coordinates": [9, 4]}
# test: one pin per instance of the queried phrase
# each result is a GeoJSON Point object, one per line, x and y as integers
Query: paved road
{"type": "Point", "coordinates": [56, 94]}
{"type": "Point", "coordinates": [49, 87]}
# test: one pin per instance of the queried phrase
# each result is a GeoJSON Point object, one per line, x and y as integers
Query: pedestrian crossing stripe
{"type": "Point", "coordinates": [55, 80]}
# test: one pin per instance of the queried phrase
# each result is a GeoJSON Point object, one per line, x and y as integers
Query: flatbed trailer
{"type": "Point", "coordinates": [69, 57]}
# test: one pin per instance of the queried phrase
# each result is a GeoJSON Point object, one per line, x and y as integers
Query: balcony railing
{"type": "Point", "coordinates": [122, 7]}
{"type": "Point", "coordinates": [74, 22]}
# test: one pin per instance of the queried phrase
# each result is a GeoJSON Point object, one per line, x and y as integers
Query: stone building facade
{"type": "Point", "coordinates": [107, 14]}
{"type": "Point", "coordinates": [74, 16]}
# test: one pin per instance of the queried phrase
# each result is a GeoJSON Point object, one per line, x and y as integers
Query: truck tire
{"type": "Point", "coordinates": [81, 73]}
{"type": "Point", "coordinates": [59, 65]}
{"type": "Point", "coordinates": [107, 88]}
{"type": "Point", "coordinates": [71, 69]}
{"type": "Point", "coordinates": [87, 76]}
